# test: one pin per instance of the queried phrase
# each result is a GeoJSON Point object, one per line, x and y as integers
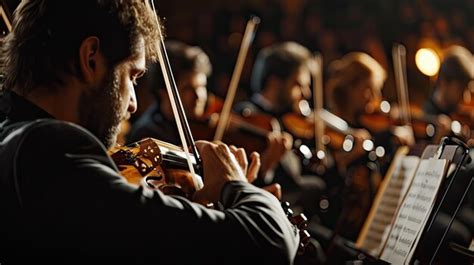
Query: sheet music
{"type": "Point", "coordinates": [385, 208]}
{"type": "Point", "coordinates": [414, 212]}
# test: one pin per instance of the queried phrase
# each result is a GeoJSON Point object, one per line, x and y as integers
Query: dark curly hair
{"type": "Point", "coordinates": [47, 34]}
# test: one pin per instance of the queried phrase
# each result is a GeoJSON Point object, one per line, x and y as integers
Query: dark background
{"type": "Point", "coordinates": [333, 27]}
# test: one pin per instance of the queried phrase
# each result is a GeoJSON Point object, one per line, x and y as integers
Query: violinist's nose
{"type": "Point", "coordinates": [132, 104]}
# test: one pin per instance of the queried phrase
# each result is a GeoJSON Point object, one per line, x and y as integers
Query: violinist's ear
{"type": "Point", "coordinates": [91, 60]}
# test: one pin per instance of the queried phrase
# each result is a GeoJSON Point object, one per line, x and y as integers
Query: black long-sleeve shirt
{"type": "Point", "coordinates": [63, 200]}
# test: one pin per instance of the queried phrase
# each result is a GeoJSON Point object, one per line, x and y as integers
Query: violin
{"type": "Point", "coordinates": [249, 132]}
{"type": "Point", "coordinates": [219, 123]}
{"type": "Point", "coordinates": [159, 165]}
{"type": "Point", "coordinates": [338, 135]}
{"type": "Point", "coordinates": [376, 120]}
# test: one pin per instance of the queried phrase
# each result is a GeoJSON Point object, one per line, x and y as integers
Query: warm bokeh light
{"type": "Point", "coordinates": [427, 61]}
{"type": "Point", "coordinates": [385, 106]}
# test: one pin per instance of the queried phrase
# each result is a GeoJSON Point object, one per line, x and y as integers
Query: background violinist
{"type": "Point", "coordinates": [455, 74]}
{"type": "Point", "coordinates": [280, 80]}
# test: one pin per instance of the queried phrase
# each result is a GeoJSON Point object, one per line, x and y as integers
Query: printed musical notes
{"type": "Point", "coordinates": [414, 212]}
{"type": "Point", "coordinates": [397, 180]}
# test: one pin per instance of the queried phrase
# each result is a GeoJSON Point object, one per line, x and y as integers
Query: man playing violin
{"type": "Point", "coordinates": [69, 82]}
{"type": "Point", "coordinates": [280, 80]}
{"type": "Point", "coordinates": [354, 81]}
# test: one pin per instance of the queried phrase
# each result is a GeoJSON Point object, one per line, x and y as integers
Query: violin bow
{"type": "Point", "coordinates": [247, 39]}
{"type": "Point", "coordinates": [4, 16]}
{"type": "Point", "coordinates": [399, 66]}
{"type": "Point", "coordinates": [317, 73]}
{"type": "Point", "coordinates": [176, 104]}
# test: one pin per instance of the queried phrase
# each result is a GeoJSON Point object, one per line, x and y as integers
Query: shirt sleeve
{"type": "Point", "coordinates": [79, 202]}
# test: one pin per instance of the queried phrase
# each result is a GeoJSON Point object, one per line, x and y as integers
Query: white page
{"type": "Point", "coordinates": [414, 212]}
{"type": "Point", "coordinates": [390, 200]}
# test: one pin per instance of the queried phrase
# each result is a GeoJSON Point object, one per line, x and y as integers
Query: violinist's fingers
{"type": "Point", "coordinates": [404, 134]}
{"type": "Point", "coordinates": [254, 167]}
{"type": "Point", "coordinates": [241, 157]}
{"type": "Point", "coordinates": [287, 140]}
{"type": "Point", "coordinates": [274, 189]}
{"type": "Point", "coordinates": [270, 138]}
{"type": "Point", "coordinates": [220, 166]}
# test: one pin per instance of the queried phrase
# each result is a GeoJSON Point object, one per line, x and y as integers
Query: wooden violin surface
{"type": "Point", "coordinates": [157, 164]}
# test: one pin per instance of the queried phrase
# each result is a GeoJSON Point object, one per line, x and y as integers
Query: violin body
{"type": "Point", "coordinates": [157, 164]}
{"type": "Point", "coordinates": [249, 132]}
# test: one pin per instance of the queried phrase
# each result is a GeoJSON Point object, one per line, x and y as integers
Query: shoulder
{"type": "Point", "coordinates": [50, 141]}
{"type": "Point", "coordinates": [58, 134]}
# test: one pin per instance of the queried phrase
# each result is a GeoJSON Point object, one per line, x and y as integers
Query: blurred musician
{"type": "Point", "coordinates": [191, 67]}
{"type": "Point", "coordinates": [453, 79]}
{"type": "Point", "coordinates": [354, 81]}
{"type": "Point", "coordinates": [455, 74]}
{"type": "Point", "coordinates": [280, 80]}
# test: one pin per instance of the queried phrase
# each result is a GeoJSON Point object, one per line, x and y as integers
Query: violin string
{"type": "Point", "coordinates": [174, 97]}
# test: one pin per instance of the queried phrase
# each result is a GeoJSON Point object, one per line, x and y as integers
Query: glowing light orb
{"type": "Point", "coordinates": [427, 61]}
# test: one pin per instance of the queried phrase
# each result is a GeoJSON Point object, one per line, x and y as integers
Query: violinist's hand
{"type": "Point", "coordinates": [404, 135]}
{"type": "Point", "coordinates": [252, 170]}
{"type": "Point", "coordinates": [278, 145]}
{"type": "Point", "coordinates": [220, 166]}
{"type": "Point", "coordinates": [345, 158]}
{"type": "Point", "coordinates": [360, 136]}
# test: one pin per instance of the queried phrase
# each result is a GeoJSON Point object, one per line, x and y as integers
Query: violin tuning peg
{"type": "Point", "coordinates": [289, 213]}
{"type": "Point", "coordinates": [305, 237]}
{"type": "Point", "coordinates": [301, 249]}
{"type": "Point", "coordinates": [300, 221]}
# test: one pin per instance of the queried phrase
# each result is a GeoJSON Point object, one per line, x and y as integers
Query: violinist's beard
{"type": "Point", "coordinates": [100, 110]}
